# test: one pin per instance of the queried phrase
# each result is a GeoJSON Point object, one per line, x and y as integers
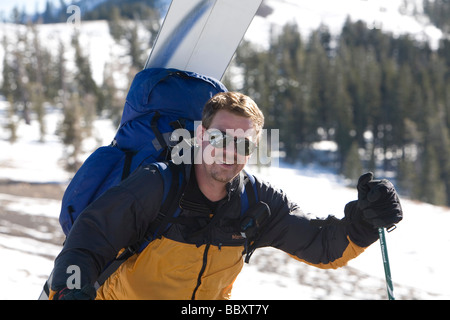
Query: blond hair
{"type": "Point", "coordinates": [236, 103]}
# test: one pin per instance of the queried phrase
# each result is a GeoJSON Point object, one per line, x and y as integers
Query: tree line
{"type": "Point", "coordinates": [384, 101]}
{"type": "Point", "coordinates": [439, 12]}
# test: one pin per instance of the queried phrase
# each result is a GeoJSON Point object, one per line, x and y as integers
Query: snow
{"type": "Point", "coordinates": [95, 41]}
{"type": "Point", "coordinates": [389, 15]}
{"type": "Point", "coordinates": [418, 248]}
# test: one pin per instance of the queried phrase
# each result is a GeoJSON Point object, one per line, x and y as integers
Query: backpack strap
{"type": "Point", "coordinates": [127, 164]}
{"type": "Point", "coordinates": [173, 186]}
{"type": "Point", "coordinates": [173, 176]}
{"type": "Point", "coordinates": [254, 216]}
{"type": "Point", "coordinates": [249, 194]}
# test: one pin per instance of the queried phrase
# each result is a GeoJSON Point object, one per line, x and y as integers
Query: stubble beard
{"type": "Point", "coordinates": [221, 175]}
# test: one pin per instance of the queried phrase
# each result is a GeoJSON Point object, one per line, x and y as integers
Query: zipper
{"type": "Point", "coordinates": [205, 253]}
{"type": "Point", "coordinates": [202, 270]}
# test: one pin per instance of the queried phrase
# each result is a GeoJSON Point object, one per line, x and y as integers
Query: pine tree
{"type": "Point", "coordinates": [85, 87]}
{"type": "Point", "coordinates": [47, 16]}
{"type": "Point", "coordinates": [115, 24]}
{"type": "Point", "coordinates": [18, 78]}
{"type": "Point", "coordinates": [432, 187]}
{"type": "Point", "coordinates": [11, 124]}
{"type": "Point", "coordinates": [8, 85]}
{"type": "Point", "coordinates": [36, 87]}
{"type": "Point", "coordinates": [84, 82]}
{"type": "Point", "coordinates": [113, 103]}
{"type": "Point", "coordinates": [60, 82]}
{"type": "Point", "coordinates": [135, 47]}
{"type": "Point", "coordinates": [341, 108]}
{"type": "Point", "coordinates": [407, 178]}
{"type": "Point", "coordinates": [319, 72]}
{"type": "Point", "coordinates": [71, 132]}
{"type": "Point", "coordinates": [438, 139]}
{"type": "Point", "coordinates": [352, 167]}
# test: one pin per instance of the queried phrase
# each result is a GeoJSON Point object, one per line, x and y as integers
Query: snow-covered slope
{"type": "Point", "coordinates": [396, 16]}
{"type": "Point", "coordinates": [414, 248]}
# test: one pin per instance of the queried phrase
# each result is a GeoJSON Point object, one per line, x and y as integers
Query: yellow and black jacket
{"type": "Point", "coordinates": [201, 256]}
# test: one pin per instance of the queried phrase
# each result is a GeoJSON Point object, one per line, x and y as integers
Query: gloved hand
{"type": "Point", "coordinates": [378, 202]}
{"type": "Point", "coordinates": [88, 292]}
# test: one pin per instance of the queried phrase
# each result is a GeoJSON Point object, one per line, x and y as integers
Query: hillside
{"type": "Point", "coordinates": [396, 16]}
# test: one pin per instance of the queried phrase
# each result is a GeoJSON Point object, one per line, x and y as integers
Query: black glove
{"type": "Point", "coordinates": [88, 292]}
{"type": "Point", "coordinates": [378, 202]}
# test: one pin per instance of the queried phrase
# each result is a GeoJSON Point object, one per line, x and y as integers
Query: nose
{"type": "Point", "coordinates": [230, 153]}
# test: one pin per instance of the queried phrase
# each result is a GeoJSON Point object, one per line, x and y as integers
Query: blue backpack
{"type": "Point", "coordinates": [158, 102]}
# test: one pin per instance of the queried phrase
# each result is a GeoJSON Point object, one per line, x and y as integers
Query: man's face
{"type": "Point", "coordinates": [224, 162]}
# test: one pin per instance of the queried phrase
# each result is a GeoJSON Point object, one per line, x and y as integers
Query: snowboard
{"type": "Point", "coordinates": [199, 36]}
{"type": "Point", "coordinates": [202, 35]}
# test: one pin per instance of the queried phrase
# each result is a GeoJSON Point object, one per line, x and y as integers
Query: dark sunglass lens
{"type": "Point", "coordinates": [219, 139]}
{"type": "Point", "coordinates": [216, 139]}
{"type": "Point", "coordinates": [245, 147]}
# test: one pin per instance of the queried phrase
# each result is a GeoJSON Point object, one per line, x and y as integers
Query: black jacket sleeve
{"type": "Point", "coordinates": [329, 246]}
{"type": "Point", "coordinates": [117, 219]}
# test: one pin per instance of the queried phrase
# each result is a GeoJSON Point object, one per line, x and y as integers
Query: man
{"type": "Point", "coordinates": [200, 256]}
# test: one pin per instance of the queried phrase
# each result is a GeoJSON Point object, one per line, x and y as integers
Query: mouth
{"type": "Point", "coordinates": [224, 164]}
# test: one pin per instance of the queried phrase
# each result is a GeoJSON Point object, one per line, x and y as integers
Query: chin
{"type": "Point", "coordinates": [225, 173]}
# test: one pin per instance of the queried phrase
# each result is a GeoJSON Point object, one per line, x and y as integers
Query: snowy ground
{"type": "Point", "coordinates": [417, 250]}
{"type": "Point", "coordinates": [30, 236]}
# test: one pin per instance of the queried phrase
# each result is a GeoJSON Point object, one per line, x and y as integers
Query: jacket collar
{"type": "Point", "coordinates": [233, 186]}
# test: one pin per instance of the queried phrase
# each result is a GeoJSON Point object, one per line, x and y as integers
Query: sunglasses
{"type": "Point", "coordinates": [219, 139]}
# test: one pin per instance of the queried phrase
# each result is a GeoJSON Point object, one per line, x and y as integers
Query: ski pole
{"type": "Point", "coordinates": [387, 269]}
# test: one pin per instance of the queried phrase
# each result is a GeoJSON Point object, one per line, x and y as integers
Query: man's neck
{"type": "Point", "coordinates": [212, 189]}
